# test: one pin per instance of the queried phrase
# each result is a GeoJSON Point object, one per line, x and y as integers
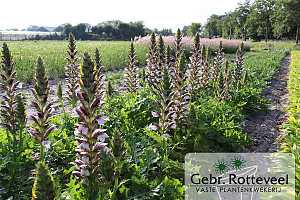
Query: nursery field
{"type": "Point", "coordinates": [114, 55]}
{"type": "Point", "coordinates": [105, 144]}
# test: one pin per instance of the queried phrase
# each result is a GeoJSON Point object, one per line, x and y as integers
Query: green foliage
{"type": "Point", "coordinates": [114, 56]}
{"type": "Point", "coordinates": [44, 185]}
{"type": "Point", "coordinates": [110, 89]}
{"type": "Point", "coordinates": [193, 29]}
{"type": "Point", "coordinates": [136, 165]}
{"type": "Point", "coordinates": [292, 137]}
{"type": "Point", "coordinates": [21, 113]}
{"type": "Point", "coordinates": [286, 18]}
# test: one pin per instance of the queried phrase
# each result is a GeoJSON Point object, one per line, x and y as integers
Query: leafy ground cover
{"type": "Point", "coordinates": [148, 132]}
{"type": "Point", "coordinates": [291, 138]}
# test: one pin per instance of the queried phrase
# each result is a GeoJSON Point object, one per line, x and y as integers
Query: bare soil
{"type": "Point", "coordinates": [264, 127]}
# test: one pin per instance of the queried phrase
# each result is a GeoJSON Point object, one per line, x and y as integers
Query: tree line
{"type": "Point", "coordinates": [260, 20]}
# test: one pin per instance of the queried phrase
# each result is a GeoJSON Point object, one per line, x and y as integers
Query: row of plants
{"type": "Point", "coordinates": [291, 137]}
{"type": "Point", "coordinates": [132, 145]}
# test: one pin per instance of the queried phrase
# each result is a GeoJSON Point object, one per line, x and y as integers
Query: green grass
{"type": "Point", "coordinates": [263, 45]}
{"type": "Point", "coordinates": [53, 53]}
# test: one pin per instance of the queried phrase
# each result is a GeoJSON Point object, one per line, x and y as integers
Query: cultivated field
{"type": "Point", "coordinates": [128, 145]}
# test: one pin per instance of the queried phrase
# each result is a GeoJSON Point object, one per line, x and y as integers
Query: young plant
{"type": "Point", "coordinates": [110, 89]}
{"type": "Point", "coordinates": [90, 139]}
{"type": "Point", "coordinates": [118, 152]}
{"type": "Point", "coordinates": [21, 118]}
{"type": "Point", "coordinates": [132, 80]}
{"type": "Point", "coordinates": [44, 185]}
{"type": "Point", "coordinates": [59, 95]}
{"type": "Point", "coordinates": [72, 72]}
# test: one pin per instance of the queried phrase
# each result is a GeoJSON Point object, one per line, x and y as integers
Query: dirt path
{"type": "Point", "coordinates": [263, 127]}
{"type": "Point", "coordinates": [53, 84]}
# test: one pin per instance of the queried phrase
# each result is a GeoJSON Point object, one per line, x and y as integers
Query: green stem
{"type": "Point", "coordinates": [42, 151]}
{"type": "Point", "coordinates": [63, 107]}
{"type": "Point", "coordinates": [113, 196]}
{"type": "Point", "coordinates": [21, 138]}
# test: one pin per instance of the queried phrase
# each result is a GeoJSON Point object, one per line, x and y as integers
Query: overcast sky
{"type": "Point", "coordinates": [155, 13]}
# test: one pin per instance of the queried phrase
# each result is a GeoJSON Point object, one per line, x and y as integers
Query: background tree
{"type": "Point", "coordinates": [286, 18]}
{"type": "Point", "coordinates": [213, 26]}
{"type": "Point", "coordinates": [240, 14]}
{"type": "Point", "coordinates": [165, 32]}
{"type": "Point", "coordinates": [228, 25]}
{"type": "Point", "coordinates": [184, 30]}
{"type": "Point", "coordinates": [67, 30]}
{"type": "Point", "coordinates": [260, 14]}
{"type": "Point", "coordinates": [193, 29]}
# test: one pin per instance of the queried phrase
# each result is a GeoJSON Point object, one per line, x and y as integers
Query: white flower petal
{"type": "Point", "coordinates": [102, 137]}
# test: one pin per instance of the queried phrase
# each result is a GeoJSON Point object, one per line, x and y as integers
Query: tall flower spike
{"type": "Point", "coordinates": [180, 93]}
{"type": "Point", "coordinates": [194, 73]}
{"type": "Point", "coordinates": [178, 45]}
{"type": "Point", "coordinates": [239, 71]}
{"type": "Point", "coordinates": [152, 63]}
{"type": "Point", "coordinates": [168, 58]}
{"type": "Point", "coordinates": [161, 51]}
{"type": "Point", "coordinates": [90, 140]}
{"type": "Point", "coordinates": [204, 68]}
{"type": "Point", "coordinates": [72, 71]}
{"type": "Point", "coordinates": [131, 80]}
{"type": "Point", "coordinates": [9, 97]}
{"type": "Point", "coordinates": [44, 185]}
{"type": "Point", "coordinates": [225, 84]}
{"type": "Point", "coordinates": [100, 77]}
{"type": "Point", "coordinates": [163, 92]}
{"type": "Point", "coordinates": [217, 68]}
{"type": "Point", "coordinates": [43, 127]}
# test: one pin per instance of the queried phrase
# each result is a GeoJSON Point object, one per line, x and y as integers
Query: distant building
{"type": "Point", "coordinates": [50, 29]}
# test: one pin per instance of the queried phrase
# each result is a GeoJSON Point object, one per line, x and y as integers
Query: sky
{"type": "Point", "coordinates": [155, 13]}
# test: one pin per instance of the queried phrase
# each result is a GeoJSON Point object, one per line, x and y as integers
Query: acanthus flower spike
{"type": "Point", "coordinates": [72, 71]}
{"type": "Point", "coordinates": [90, 139]}
{"type": "Point", "coordinates": [132, 80]}
{"type": "Point", "coordinates": [43, 127]}
{"type": "Point", "coordinates": [9, 96]}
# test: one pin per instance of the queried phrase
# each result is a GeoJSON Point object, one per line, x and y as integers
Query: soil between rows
{"type": "Point", "coordinates": [264, 127]}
